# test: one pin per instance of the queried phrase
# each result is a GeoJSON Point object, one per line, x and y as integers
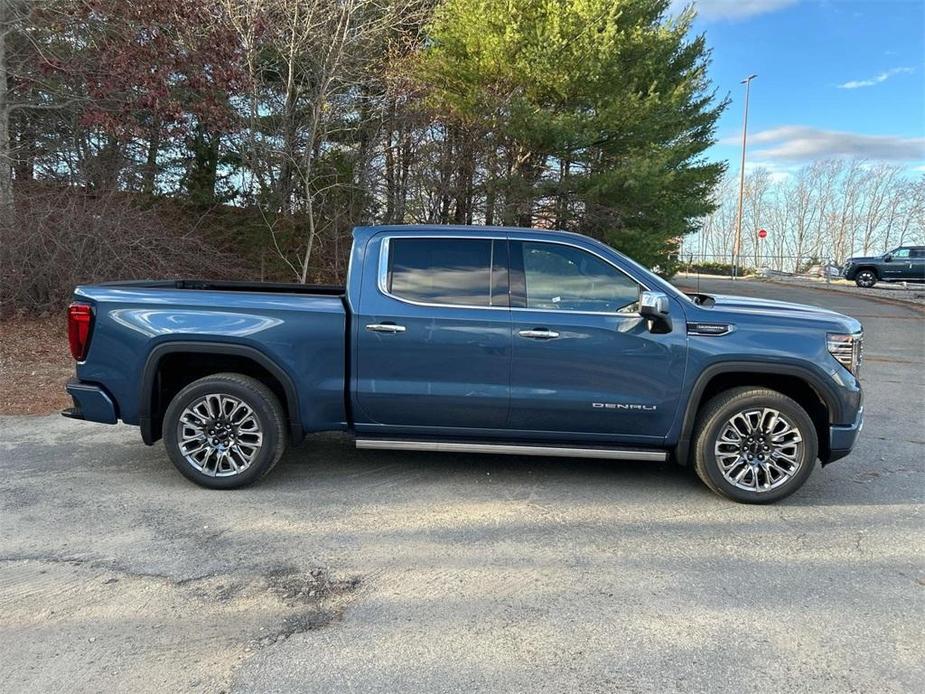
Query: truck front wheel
{"type": "Point", "coordinates": [866, 278]}
{"type": "Point", "coordinates": [754, 445]}
{"type": "Point", "coordinates": [225, 430]}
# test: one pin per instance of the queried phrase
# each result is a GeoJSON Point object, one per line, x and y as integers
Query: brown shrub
{"type": "Point", "coordinates": [62, 237]}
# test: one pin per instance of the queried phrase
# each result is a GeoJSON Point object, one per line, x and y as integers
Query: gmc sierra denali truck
{"type": "Point", "coordinates": [474, 340]}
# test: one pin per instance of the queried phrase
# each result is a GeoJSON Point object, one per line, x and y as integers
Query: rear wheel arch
{"type": "Point", "coordinates": [797, 383]}
{"type": "Point", "coordinates": [171, 366]}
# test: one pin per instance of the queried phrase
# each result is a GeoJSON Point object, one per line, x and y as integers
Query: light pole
{"type": "Point", "coordinates": [738, 239]}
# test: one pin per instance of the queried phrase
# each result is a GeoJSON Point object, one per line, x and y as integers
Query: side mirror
{"type": "Point", "coordinates": [653, 306]}
{"type": "Point", "coordinates": [888, 257]}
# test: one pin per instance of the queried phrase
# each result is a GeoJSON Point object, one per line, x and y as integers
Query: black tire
{"type": "Point", "coordinates": [866, 278]}
{"type": "Point", "coordinates": [711, 423]}
{"type": "Point", "coordinates": [267, 413]}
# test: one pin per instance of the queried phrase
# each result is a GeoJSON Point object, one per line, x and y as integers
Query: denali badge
{"type": "Point", "coordinates": [622, 406]}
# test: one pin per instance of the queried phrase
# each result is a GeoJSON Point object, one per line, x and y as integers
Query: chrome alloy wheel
{"type": "Point", "coordinates": [219, 435]}
{"type": "Point", "coordinates": [759, 449]}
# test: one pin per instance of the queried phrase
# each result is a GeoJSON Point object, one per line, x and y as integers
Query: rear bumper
{"type": "Point", "coordinates": [843, 438]}
{"type": "Point", "coordinates": [91, 403]}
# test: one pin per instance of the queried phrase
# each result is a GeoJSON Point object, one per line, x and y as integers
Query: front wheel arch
{"type": "Point", "coordinates": [793, 381]}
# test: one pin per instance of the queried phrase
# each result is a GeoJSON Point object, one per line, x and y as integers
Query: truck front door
{"type": "Point", "coordinates": [433, 334]}
{"type": "Point", "coordinates": [898, 266]}
{"type": "Point", "coordinates": [584, 362]}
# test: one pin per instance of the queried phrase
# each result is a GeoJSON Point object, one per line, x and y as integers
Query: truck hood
{"type": "Point", "coordinates": [824, 317]}
{"type": "Point", "coordinates": [856, 260]}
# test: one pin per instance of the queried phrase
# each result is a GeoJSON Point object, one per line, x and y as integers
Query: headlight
{"type": "Point", "coordinates": [846, 348]}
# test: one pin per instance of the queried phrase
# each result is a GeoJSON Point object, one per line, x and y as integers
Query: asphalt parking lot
{"type": "Point", "coordinates": [376, 571]}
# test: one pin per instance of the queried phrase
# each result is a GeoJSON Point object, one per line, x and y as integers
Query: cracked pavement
{"type": "Point", "coordinates": [377, 571]}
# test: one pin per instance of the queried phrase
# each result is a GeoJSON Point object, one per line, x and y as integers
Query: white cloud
{"type": "Point", "coordinates": [714, 10]}
{"type": "Point", "coordinates": [804, 143]}
{"type": "Point", "coordinates": [776, 170]}
{"type": "Point", "coordinates": [882, 77]}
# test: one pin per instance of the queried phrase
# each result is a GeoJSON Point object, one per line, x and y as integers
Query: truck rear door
{"type": "Point", "coordinates": [433, 333]}
{"type": "Point", "coordinates": [916, 270]}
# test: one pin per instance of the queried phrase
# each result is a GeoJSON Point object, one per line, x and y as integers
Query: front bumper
{"type": "Point", "coordinates": [843, 438]}
{"type": "Point", "coordinates": [91, 403]}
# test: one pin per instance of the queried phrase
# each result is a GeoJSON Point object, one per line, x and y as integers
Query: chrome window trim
{"type": "Point", "coordinates": [383, 278]}
{"type": "Point", "coordinates": [383, 275]}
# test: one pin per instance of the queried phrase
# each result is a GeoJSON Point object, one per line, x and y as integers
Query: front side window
{"type": "Point", "coordinates": [445, 271]}
{"type": "Point", "coordinates": [565, 278]}
{"type": "Point", "coordinates": [900, 253]}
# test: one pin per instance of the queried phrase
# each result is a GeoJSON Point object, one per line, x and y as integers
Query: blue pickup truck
{"type": "Point", "coordinates": [475, 340]}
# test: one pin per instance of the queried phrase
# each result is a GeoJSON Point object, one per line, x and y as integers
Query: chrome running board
{"type": "Point", "coordinates": [512, 449]}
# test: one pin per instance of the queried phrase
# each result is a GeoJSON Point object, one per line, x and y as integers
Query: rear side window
{"type": "Point", "coordinates": [447, 271]}
{"type": "Point", "coordinates": [918, 252]}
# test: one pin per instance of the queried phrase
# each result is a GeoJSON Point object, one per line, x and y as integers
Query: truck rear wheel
{"type": "Point", "coordinates": [754, 445]}
{"type": "Point", "coordinates": [225, 431]}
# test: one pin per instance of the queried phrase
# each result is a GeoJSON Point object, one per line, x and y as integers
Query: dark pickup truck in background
{"type": "Point", "coordinates": [473, 339]}
{"type": "Point", "coordinates": [903, 264]}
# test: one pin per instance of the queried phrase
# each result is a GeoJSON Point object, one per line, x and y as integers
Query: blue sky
{"type": "Point", "coordinates": [835, 78]}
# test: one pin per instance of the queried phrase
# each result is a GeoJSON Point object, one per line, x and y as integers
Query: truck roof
{"type": "Point", "coordinates": [363, 233]}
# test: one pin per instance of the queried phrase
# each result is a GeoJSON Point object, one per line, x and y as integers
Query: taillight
{"type": "Point", "coordinates": [79, 322]}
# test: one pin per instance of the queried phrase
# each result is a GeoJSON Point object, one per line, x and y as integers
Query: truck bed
{"type": "Point", "coordinates": [298, 330]}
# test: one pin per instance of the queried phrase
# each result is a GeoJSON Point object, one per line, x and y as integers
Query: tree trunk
{"type": "Point", "coordinates": [446, 175]}
{"type": "Point", "coordinates": [491, 187]}
{"type": "Point", "coordinates": [406, 154]}
{"type": "Point", "coordinates": [526, 179]}
{"type": "Point", "coordinates": [149, 175]}
{"type": "Point", "coordinates": [6, 170]}
{"type": "Point", "coordinates": [391, 194]}
{"type": "Point", "coordinates": [312, 150]}
{"type": "Point", "coordinates": [289, 154]}
{"type": "Point", "coordinates": [203, 169]}
{"type": "Point", "coordinates": [464, 175]}
{"type": "Point", "coordinates": [562, 195]}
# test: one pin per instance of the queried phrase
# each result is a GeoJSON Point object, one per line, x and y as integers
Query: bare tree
{"type": "Point", "coordinates": [875, 206]}
{"type": "Point", "coordinates": [757, 187]}
{"type": "Point", "coordinates": [800, 202]}
{"type": "Point", "coordinates": [308, 67]}
{"type": "Point", "coordinates": [826, 211]}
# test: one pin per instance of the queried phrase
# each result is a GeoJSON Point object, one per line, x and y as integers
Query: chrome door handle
{"type": "Point", "coordinates": [385, 328]}
{"type": "Point", "coordinates": [539, 334]}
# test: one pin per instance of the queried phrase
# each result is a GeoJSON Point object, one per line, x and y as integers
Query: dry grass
{"type": "Point", "coordinates": [34, 365]}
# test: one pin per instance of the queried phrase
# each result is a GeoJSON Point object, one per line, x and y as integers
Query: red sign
{"type": "Point", "coordinates": [762, 234]}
